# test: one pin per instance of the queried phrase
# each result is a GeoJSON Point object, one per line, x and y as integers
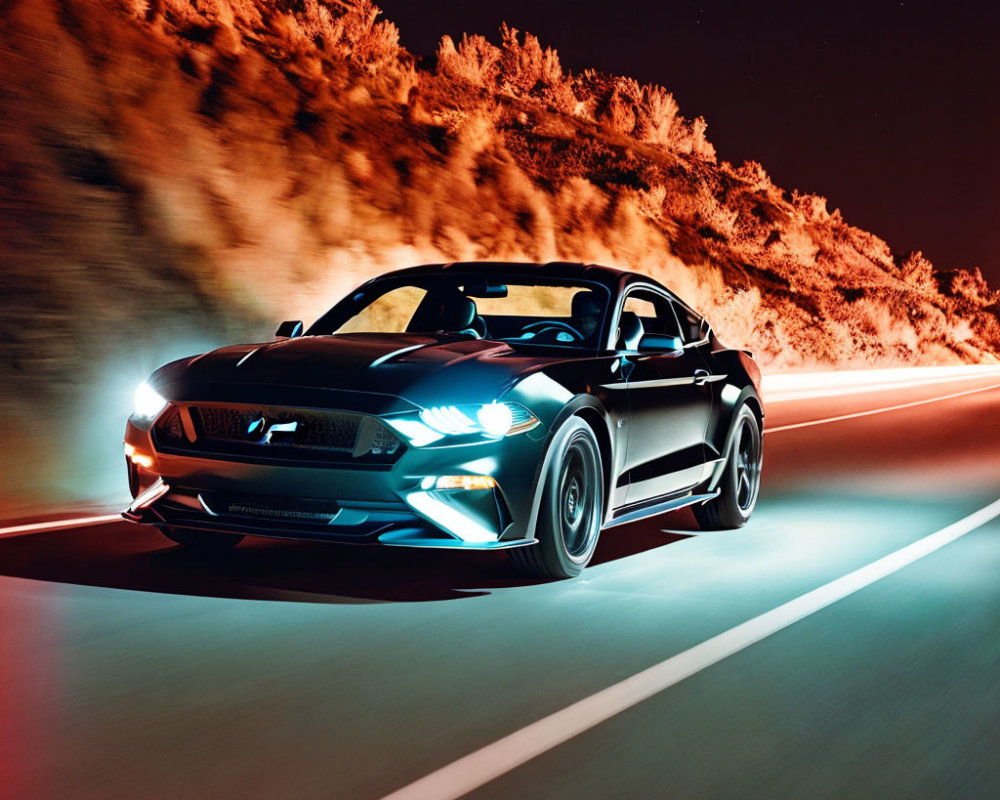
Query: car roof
{"type": "Point", "coordinates": [611, 277]}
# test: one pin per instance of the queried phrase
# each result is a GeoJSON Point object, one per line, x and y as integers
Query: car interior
{"type": "Point", "coordinates": [450, 310]}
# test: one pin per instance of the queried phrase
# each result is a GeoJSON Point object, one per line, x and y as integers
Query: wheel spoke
{"type": "Point", "coordinates": [747, 465]}
{"type": "Point", "coordinates": [576, 508]}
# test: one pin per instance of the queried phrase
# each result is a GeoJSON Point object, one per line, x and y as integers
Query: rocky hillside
{"type": "Point", "coordinates": [176, 173]}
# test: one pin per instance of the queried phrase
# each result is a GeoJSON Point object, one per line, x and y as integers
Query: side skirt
{"type": "Point", "coordinates": [655, 507]}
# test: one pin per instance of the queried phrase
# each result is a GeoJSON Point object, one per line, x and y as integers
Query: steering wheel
{"type": "Point", "coordinates": [546, 324]}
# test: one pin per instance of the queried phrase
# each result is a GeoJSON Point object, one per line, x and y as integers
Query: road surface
{"type": "Point", "coordinates": [131, 669]}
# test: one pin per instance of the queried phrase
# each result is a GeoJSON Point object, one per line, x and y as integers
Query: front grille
{"type": "Point", "coordinates": [326, 430]}
{"type": "Point", "coordinates": [269, 433]}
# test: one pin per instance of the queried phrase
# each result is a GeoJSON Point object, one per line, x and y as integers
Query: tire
{"type": "Point", "coordinates": [740, 482]}
{"type": "Point", "coordinates": [572, 507]}
{"type": "Point", "coordinates": [205, 541]}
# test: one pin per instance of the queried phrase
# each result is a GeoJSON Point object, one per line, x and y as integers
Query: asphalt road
{"type": "Point", "coordinates": [132, 669]}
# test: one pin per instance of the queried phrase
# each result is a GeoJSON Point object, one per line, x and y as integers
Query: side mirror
{"type": "Point", "coordinates": [289, 329]}
{"type": "Point", "coordinates": [660, 343]}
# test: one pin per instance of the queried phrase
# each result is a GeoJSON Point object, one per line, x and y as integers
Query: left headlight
{"type": "Point", "coordinates": [148, 403]}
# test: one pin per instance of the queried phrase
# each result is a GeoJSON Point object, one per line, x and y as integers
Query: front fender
{"type": "Point", "coordinates": [590, 408]}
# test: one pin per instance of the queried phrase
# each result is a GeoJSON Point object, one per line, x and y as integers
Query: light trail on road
{"type": "Point", "coordinates": [869, 412]}
{"type": "Point", "coordinates": [59, 524]}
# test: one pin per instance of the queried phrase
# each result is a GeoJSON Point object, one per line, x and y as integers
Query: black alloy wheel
{"type": "Point", "coordinates": [740, 483]}
{"type": "Point", "coordinates": [572, 507]}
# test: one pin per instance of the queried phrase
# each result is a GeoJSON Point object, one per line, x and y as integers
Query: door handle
{"type": "Point", "coordinates": [700, 377]}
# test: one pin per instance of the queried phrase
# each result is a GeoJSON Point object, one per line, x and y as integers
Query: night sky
{"type": "Point", "coordinates": [889, 109]}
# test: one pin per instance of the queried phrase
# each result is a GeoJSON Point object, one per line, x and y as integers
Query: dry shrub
{"type": "Point", "coordinates": [754, 175]}
{"type": "Point", "coordinates": [524, 64]}
{"type": "Point", "coordinates": [528, 70]}
{"type": "Point", "coordinates": [696, 141]}
{"type": "Point", "coordinates": [371, 43]}
{"type": "Point", "coordinates": [867, 244]}
{"type": "Point", "coordinates": [475, 61]}
{"type": "Point", "coordinates": [657, 116]}
{"type": "Point", "coordinates": [918, 271]}
{"type": "Point", "coordinates": [621, 113]}
{"type": "Point", "coordinates": [968, 286]}
{"type": "Point", "coordinates": [811, 206]}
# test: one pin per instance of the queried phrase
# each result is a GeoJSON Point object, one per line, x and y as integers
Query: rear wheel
{"type": "Point", "coordinates": [569, 518]}
{"type": "Point", "coordinates": [206, 541]}
{"type": "Point", "coordinates": [740, 482]}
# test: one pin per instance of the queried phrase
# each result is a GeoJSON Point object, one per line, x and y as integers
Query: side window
{"type": "Point", "coordinates": [691, 324]}
{"type": "Point", "coordinates": [654, 311]}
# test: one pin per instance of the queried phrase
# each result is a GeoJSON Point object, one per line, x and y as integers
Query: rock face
{"type": "Point", "coordinates": [179, 173]}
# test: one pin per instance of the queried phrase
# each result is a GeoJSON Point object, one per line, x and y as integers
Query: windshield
{"type": "Point", "coordinates": [522, 309]}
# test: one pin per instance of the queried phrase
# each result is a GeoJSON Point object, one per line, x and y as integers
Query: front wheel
{"type": "Point", "coordinates": [570, 514]}
{"type": "Point", "coordinates": [740, 482]}
{"type": "Point", "coordinates": [205, 541]}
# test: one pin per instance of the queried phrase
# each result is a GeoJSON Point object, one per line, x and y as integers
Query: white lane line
{"type": "Point", "coordinates": [879, 410]}
{"type": "Point", "coordinates": [496, 759]}
{"type": "Point", "coordinates": [791, 395]}
{"type": "Point", "coordinates": [60, 523]}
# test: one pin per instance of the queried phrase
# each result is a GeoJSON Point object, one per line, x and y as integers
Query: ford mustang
{"type": "Point", "coordinates": [475, 406]}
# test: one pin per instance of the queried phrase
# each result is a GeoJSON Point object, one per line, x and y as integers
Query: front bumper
{"type": "Point", "coordinates": [392, 505]}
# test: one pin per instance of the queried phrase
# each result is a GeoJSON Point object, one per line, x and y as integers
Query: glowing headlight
{"type": "Point", "coordinates": [148, 402]}
{"type": "Point", "coordinates": [448, 420]}
{"type": "Point", "coordinates": [494, 420]}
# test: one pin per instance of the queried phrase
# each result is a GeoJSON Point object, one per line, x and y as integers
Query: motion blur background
{"type": "Point", "coordinates": [175, 175]}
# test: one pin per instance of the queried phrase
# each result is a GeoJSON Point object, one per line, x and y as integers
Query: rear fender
{"type": "Point", "coordinates": [732, 404]}
{"type": "Point", "coordinates": [741, 385]}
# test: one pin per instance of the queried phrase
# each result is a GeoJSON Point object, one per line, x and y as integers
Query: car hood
{"type": "Point", "coordinates": [422, 368]}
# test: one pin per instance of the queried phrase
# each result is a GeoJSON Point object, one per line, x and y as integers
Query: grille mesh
{"type": "Point", "coordinates": [281, 432]}
{"type": "Point", "coordinates": [326, 430]}
{"type": "Point", "coordinates": [172, 425]}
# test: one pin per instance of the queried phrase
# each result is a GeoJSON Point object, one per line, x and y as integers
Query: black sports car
{"type": "Point", "coordinates": [466, 405]}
